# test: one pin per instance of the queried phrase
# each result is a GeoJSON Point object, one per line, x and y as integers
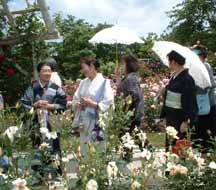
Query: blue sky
{"type": "Point", "coordinates": [142, 16]}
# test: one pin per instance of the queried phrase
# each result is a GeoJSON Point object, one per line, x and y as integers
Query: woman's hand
{"type": "Point", "coordinates": [89, 102]}
{"type": "Point", "coordinates": [79, 106]}
{"type": "Point", "coordinates": [184, 127]}
{"type": "Point", "coordinates": [43, 104]}
{"type": "Point", "coordinates": [40, 104]}
{"type": "Point", "coordinates": [49, 107]}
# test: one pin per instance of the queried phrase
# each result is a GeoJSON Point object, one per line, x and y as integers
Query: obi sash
{"type": "Point", "coordinates": [173, 100]}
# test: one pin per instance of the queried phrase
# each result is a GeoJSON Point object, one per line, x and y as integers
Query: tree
{"type": "Point", "coordinates": [16, 65]}
{"type": "Point", "coordinates": [193, 20]}
{"type": "Point", "coordinates": [76, 33]}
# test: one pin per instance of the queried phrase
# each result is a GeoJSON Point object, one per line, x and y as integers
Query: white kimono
{"type": "Point", "coordinates": [89, 88]}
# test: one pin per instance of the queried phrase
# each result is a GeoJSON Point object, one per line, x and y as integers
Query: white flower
{"type": "Point", "coordinates": [103, 118]}
{"type": "Point", "coordinates": [182, 170]}
{"type": "Point", "coordinates": [11, 132]}
{"type": "Point", "coordinates": [200, 161]}
{"type": "Point", "coordinates": [135, 185]}
{"type": "Point", "coordinates": [155, 88]}
{"type": "Point", "coordinates": [212, 165]}
{"type": "Point", "coordinates": [171, 131]}
{"type": "Point", "coordinates": [129, 144]}
{"type": "Point", "coordinates": [112, 170]}
{"type": "Point", "coordinates": [44, 131]}
{"type": "Point", "coordinates": [70, 156]}
{"type": "Point", "coordinates": [174, 169]}
{"type": "Point", "coordinates": [56, 186]}
{"type": "Point", "coordinates": [92, 185]}
{"type": "Point", "coordinates": [144, 85]}
{"type": "Point", "coordinates": [20, 184]}
{"type": "Point", "coordinates": [190, 153]}
{"type": "Point", "coordinates": [127, 141]}
{"type": "Point", "coordinates": [65, 159]}
{"type": "Point", "coordinates": [146, 154]}
{"type": "Point", "coordinates": [142, 137]}
{"type": "Point", "coordinates": [52, 135]}
{"type": "Point", "coordinates": [153, 94]}
{"type": "Point", "coordinates": [126, 137]}
{"type": "Point", "coordinates": [133, 167]}
{"type": "Point", "coordinates": [44, 145]}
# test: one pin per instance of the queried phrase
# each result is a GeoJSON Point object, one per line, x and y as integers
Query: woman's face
{"type": "Point", "coordinates": [173, 66]}
{"type": "Point", "coordinates": [45, 73]}
{"type": "Point", "coordinates": [87, 70]}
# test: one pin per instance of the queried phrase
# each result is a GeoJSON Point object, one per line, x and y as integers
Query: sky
{"type": "Point", "coordinates": [141, 16]}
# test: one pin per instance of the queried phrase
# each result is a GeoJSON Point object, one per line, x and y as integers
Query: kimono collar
{"type": "Point", "coordinates": [99, 77]}
{"type": "Point", "coordinates": [175, 74]}
{"type": "Point", "coordinates": [45, 85]}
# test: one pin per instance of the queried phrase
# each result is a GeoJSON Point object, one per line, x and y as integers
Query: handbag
{"type": "Point", "coordinates": [203, 104]}
{"type": "Point", "coordinates": [97, 133]}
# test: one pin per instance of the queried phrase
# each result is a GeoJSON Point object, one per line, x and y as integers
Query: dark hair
{"type": "Point", "coordinates": [200, 50]}
{"type": "Point", "coordinates": [173, 55]}
{"type": "Point", "coordinates": [43, 63]}
{"type": "Point", "coordinates": [52, 62]}
{"type": "Point", "coordinates": [90, 61]}
{"type": "Point", "coordinates": [132, 64]}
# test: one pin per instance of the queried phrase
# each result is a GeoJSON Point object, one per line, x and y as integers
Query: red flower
{"type": "Point", "coordinates": [2, 57]}
{"type": "Point", "coordinates": [34, 81]}
{"type": "Point", "coordinates": [180, 147]}
{"type": "Point", "coordinates": [10, 72]}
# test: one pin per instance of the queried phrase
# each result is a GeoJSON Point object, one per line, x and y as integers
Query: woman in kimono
{"type": "Point", "coordinates": [206, 125]}
{"type": "Point", "coordinates": [45, 97]}
{"type": "Point", "coordinates": [93, 95]}
{"type": "Point", "coordinates": [180, 106]}
{"type": "Point", "coordinates": [130, 86]}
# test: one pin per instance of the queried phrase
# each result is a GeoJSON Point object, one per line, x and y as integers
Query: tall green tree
{"type": "Point", "coordinates": [75, 33]}
{"type": "Point", "coordinates": [193, 20]}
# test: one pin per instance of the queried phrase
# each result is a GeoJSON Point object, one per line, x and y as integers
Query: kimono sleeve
{"type": "Point", "coordinates": [60, 102]}
{"type": "Point", "coordinates": [108, 97]}
{"type": "Point", "coordinates": [122, 87]}
{"type": "Point", "coordinates": [28, 98]}
{"type": "Point", "coordinates": [189, 105]}
{"type": "Point", "coordinates": [77, 97]}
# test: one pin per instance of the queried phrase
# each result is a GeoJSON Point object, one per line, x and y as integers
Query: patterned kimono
{"type": "Point", "coordinates": [130, 86]}
{"type": "Point", "coordinates": [87, 118]}
{"type": "Point", "coordinates": [54, 95]}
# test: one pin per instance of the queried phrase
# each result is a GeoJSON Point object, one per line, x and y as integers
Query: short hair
{"type": "Point", "coordinates": [200, 50]}
{"type": "Point", "coordinates": [41, 64]}
{"type": "Point", "coordinates": [52, 62]}
{"type": "Point", "coordinates": [88, 60]}
{"type": "Point", "coordinates": [132, 64]}
{"type": "Point", "coordinates": [174, 56]}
